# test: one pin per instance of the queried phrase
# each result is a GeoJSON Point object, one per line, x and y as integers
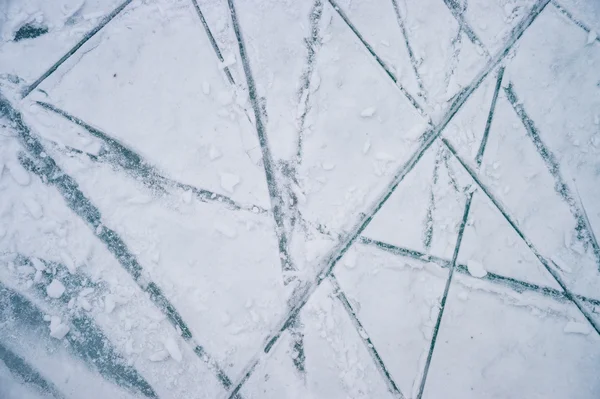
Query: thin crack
{"type": "Point", "coordinates": [364, 336]}
{"type": "Point", "coordinates": [305, 291]}
{"type": "Point", "coordinates": [65, 57]}
{"type": "Point", "coordinates": [570, 16]}
{"type": "Point", "coordinates": [428, 230]}
{"type": "Point", "coordinates": [42, 164]}
{"type": "Point", "coordinates": [456, 45]}
{"type": "Point", "coordinates": [458, 14]}
{"type": "Point", "coordinates": [512, 283]}
{"type": "Point", "coordinates": [411, 54]}
{"type": "Point", "coordinates": [213, 42]}
{"type": "Point", "coordinates": [27, 373]}
{"type": "Point", "coordinates": [584, 233]}
{"type": "Point", "coordinates": [120, 156]}
{"type": "Point", "coordinates": [380, 61]}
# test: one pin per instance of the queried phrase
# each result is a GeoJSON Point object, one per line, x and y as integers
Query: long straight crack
{"type": "Point", "coordinates": [584, 230]}
{"type": "Point", "coordinates": [459, 237]}
{"type": "Point", "coordinates": [347, 239]}
{"type": "Point", "coordinates": [39, 162]}
{"type": "Point", "coordinates": [364, 337]}
{"type": "Point", "coordinates": [458, 14]}
{"type": "Point", "coordinates": [72, 51]}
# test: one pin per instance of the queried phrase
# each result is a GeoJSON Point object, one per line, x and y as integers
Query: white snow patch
{"type": "Point", "coordinates": [328, 166]}
{"type": "Point", "coordinates": [206, 88]}
{"type": "Point", "coordinates": [214, 153]}
{"type": "Point", "coordinates": [186, 196]}
{"type": "Point", "coordinates": [33, 207]}
{"type": "Point", "coordinates": [159, 356]}
{"type": "Point", "coordinates": [574, 327]}
{"type": "Point", "coordinates": [58, 329]}
{"type": "Point", "coordinates": [226, 230]}
{"type": "Point", "coordinates": [368, 112]}
{"type": "Point", "coordinates": [229, 181]}
{"type": "Point", "coordinates": [476, 269]}
{"type": "Point", "coordinates": [55, 289]}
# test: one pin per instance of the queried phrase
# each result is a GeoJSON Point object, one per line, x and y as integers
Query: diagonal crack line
{"type": "Point", "coordinates": [380, 61]}
{"type": "Point", "coordinates": [120, 156]}
{"type": "Point", "coordinates": [42, 164]}
{"type": "Point", "coordinates": [274, 190]}
{"type": "Point", "coordinates": [533, 249]}
{"type": "Point", "coordinates": [364, 336]}
{"type": "Point", "coordinates": [411, 54]}
{"type": "Point", "coordinates": [27, 373]}
{"type": "Point", "coordinates": [69, 53]}
{"type": "Point", "coordinates": [455, 10]}
{"type": "Point", "coordinates": [584, 231]}
{"type": "Point", "coordinates": [213, 42]}
{"type": "Point", "coordinates": [570, 16]}
{"type": "Point", "coordinates": [347, 239]}
{"type": "Point", "coordinates": [517, 285]}
{"type": "Point", "coordinates": [459, 237]}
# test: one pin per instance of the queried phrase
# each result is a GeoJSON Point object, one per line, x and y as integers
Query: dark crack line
{"type": "Point", "coordinates": [518, 286]}
{"type": "Point", "coordinates": [457, 13]}
{"type": "Point", "coordinates": [428, 227]}
{"type": "Point", "coordinates": [288, 267]}
{"type": "Point", "coordinates": [213, 42]}
{"type": "Point", "coordinates": [411, 54]}
{"type": "Point", "coordinates": [43, 165]}
{"type": "Point", "coordinates": [364, 337]}
{"type": "Point", "coordinates": [306, 290]}
{"type": "Point", "coordinates": [122, 157]}
{"type": "Point", "coordinates": [570, 16]}
{"type": "Point", "coordinates": [85, 340]}
{"type": "Point", "coordinates": [380, 61]}
{"type": "Point", "coordinates": [459, 237]}
{"type": "Point", "coordinates": [26, 373]}
{"type": "Point", "coordinates": [514, 225]}
{"type": "Point", "coordinates": [584, 232]}
{"type": "Point", "coordinates": [65, 57]}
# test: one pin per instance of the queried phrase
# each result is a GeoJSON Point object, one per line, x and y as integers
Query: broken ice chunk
{"type": "Point", "coordinates": [476, 269]}
{"type": "Point", "coordinates": [159, 356]}
{"type": "Point", "coordinates": [173, 349]}
{"type": "Point", "coordinates": [55, 289]}
{"type": "Point", "coordinates": [229, 181]}
{"type": "Point", "coordinates": [368, 112]}
{"type": "Point", "coordinates": [58, 329]}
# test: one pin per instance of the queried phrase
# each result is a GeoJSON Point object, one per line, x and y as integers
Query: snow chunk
{"type": "Point", "coordinates": [476, 269]}
{"type": "Point", "coordinates": [328, 166]}
{"type": "Point", "coordinates": [34, 208]}
{"type": "Point", "coordinates": [18, 173]}
{"type": "Point", "coordinates": [368, 112]}
{"type": "Point", "coordinates": [58, 329]}
{"type": "Point", "coordinates": [206, 88]}
{"type": "Point", "coordinates": [173, 349]}
{"type": "Point", "coordinates": [55, 289]}
{"type": "Point", "coordinates": [574, 327]}
{"type": "Point", "coordinates": [592, 36]}
{"type": "Point", "coordinates": [68, 261]}
{"type": "Point", "coordinates": [38, 264]}
{"type": "Point", "coordinates": [229, 181]}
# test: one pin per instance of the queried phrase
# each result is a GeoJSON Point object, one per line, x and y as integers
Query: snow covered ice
{"type": "Point", "coordinates": [299, 199]}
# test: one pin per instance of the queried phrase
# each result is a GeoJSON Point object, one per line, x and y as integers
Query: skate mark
{"type": "Point", "coordinates": [65, 57]}
{"type": "Point", "coordinates": [26, 373]}
{"type": "Point", "coordinates": [584, 234]}
{"type": "Point", "coordinates": [364, 337]}
{"type": "Point", "coordinates": [428, 230]}
{"type": "Point", "coordinates": [570, 16]}
{"type": "Point", "coordinates": [458, 14]}
{"type": "Point", "coordinates": [533, 249]}
{"type": "Point", "coordinates": [213, 42]}
{"type": "Point", "coordinates": [312, 44]}
{"type": "Point", "coordinates": [288, 268]}
{"type": "Point", "coordinates": [518, 286]}
{"type": "Point", "coordinates": [411, 55]}
{"type": "Point", "coordinates": [120, 156]}
{"type": "Point", "coordinates": [86, 340]}
{"type": "Point", "coordinates": [347, 239]}
{"type": "Point", "coordinates": [40, 163]}
{"type": "Point", "coordinates": [380, 61]}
